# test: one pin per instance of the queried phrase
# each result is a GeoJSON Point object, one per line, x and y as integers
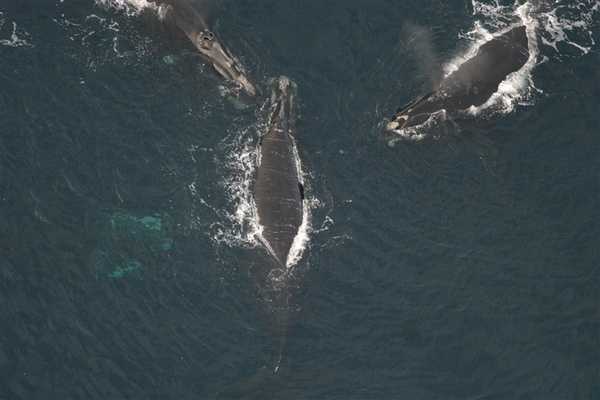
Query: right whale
{"type": "Point", "coordinates": [475, 81]}
{"type": "Point", "coordinates": [278, 189]}
{"type": "Point", "coordinates": [188, 17]}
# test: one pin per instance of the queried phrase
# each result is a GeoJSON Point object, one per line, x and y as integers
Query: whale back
{"type": "Point", "coordinates": [277, 189]}
{"type": "Point", "coordinates": [480, 76]}
{"type": "Point", "coordinates": [474, 82]}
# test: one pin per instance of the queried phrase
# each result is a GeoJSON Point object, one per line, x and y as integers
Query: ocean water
{"type": "Point", "coordinates": [457, 262]}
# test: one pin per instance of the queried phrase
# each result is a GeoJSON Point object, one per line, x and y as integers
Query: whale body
{"type": "Point", "coordinates": [186, 15]}
{"type": "Point", "coordinates": [278, 191]}
{"type": "Point", "coordinates": [473, 83]}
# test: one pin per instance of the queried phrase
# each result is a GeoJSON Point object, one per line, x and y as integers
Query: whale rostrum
{"type": "Point", "coordinates": [194, 25]}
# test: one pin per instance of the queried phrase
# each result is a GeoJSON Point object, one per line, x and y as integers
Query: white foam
{"type": "Point", "coordinates": [569, 22]}
{"type": "Point", "coordinates": [553, 25]}
{"type": "Point", "coordinates": [302, 237]}
{"type": "Point", "coordinates": [558, 21]}
{"type": "Point", "coordinates": [562, 22]}
{"type": "Point", "coordinates": [517, 87]}
{"type": "Point", "coordinates": [301, 240]}
{"type": "Point", "coordinates": [242, 227]}
{"type": "Point", "coordinates": [14, 40]}
{"type": "Point", "coordinates": [479, 35]}
{"type": "Point", "coordinates": [422, 131]}
{"type": "Point", "coordinates": [130, 7]}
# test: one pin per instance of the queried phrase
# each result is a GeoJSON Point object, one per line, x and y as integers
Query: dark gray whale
{"type": "Point", "coordinates": [473, 83]}
{"type": "Point", "coordinates": [188, 18]}
{"type": "Point", "coordinates": [278, 196]}
{"type": "Point", "coordinates": [278, 192]}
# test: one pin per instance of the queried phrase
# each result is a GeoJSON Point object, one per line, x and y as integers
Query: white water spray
{"type": "Point", "coordinates": [130, 7]}
{"type": "Point", "coordinates": [566, 23]}
{"type": "Point", "coordinates": [16, 38]}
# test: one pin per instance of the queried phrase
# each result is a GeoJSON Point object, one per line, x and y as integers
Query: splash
{"type": "Point", "coordinates": [302, 237]}
{"type": "Point", "coordinates": [240, 227]}
{"type": "Point", "coordinates": [561, 25]}
{"type": "Point", "coordinates": [518, 86]}
{"type": "Point", "coordinates": [104, 38]}
{"type": "Point", "coordinates": [130, 7]}
{"type": "Point", "coordinates": [568, 21]}
{"type": "Point", "coordinates": [423, 131]}
{"type": "Point", "coordinates": [568, 24]}
{"type": "Point", "coordinates": [14, 40]}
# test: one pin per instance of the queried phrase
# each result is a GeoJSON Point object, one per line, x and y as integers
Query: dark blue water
{"type": "Point", "coordinates": [461, 266]}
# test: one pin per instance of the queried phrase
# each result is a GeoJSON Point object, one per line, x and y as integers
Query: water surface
{"type": "Point", "coordinates": [463, 265]}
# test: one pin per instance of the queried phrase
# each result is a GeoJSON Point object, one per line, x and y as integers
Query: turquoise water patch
{"type": "Point", "coordinates": [122, 220]}
{"type": "Point", "coordinates": [170, 59]}
{"type": "Point", "coordinates": [128, 268]}
{"type": "Point", "coordinates": [166, 244]}
{"type": "Point", "coordinates": [153, 223]}
{"type": "Point", "coordinates": [130, 245]}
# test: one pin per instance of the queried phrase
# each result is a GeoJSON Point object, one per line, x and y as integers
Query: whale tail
{"type": "Point", "coordinates": [261, 385]}
{"type": "Point", "coordinates": [274, 285]}
{"type": "Point", "coordinates": [265, 381]}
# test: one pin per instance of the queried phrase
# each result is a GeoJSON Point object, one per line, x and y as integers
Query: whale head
{"type": "Point", "coordinates": [283, 92]}
{"type": "Point", "coordinates": [413, 114]}
{"type": "Point", "coordinates": [222, 61]}
{"type": "Point", "coordinates": [407, 120]}
{"type": "Point", "coordinates": [397, 123]}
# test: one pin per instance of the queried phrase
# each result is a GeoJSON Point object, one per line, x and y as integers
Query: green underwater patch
{"type": "Point", "coordinates": [129, 244]}
{"type": "Point", "coordinates": [129, 267]}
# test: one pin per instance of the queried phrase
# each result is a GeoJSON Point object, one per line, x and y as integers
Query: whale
{"type": "Point", "coordinates": [472, 84]}
{"type": "Point", "coordinates": [278, 188]}
{"type": "Point", "coordinates": [188, 17]}
{"type": "Point", "coordinates": [278, 198]}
